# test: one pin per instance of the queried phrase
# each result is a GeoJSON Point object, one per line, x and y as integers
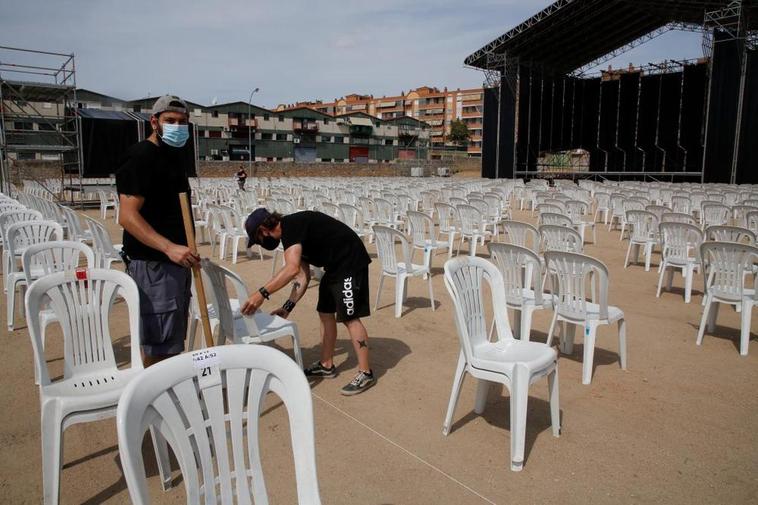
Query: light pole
{"type": "Point", "coordinates": [250, 132]}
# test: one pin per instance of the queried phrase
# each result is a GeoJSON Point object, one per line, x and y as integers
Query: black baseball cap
{"type": "Point", "coordinates": [252, 223]}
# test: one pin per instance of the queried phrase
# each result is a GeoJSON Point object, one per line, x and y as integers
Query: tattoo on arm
{"type": "Point", "coordinates": [362, 343]}
{"type": "Point", "coordinates": [296, 285]}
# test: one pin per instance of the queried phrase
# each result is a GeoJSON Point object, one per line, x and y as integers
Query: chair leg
{"type": "Point", "coordinates": [460, 372]}
{"type": "Point", "coordinates": [399, 294]}
{"type": "Point", "coordinates": [648, 255]}
{"type": "Point", "coordinates": [482, 390]}
{"type": "Point", "coordinates": [747, 310]}
{"type": "Point", "coordinates": [379, 291]}
{"type": "Point", "coordinates": [52, 448]}
{"type": "Point", "coordinates": [519, 401]}
{"type": "Point", "coordinates": [688, 275]}
{"type": "Point", "coordinates": [11, 308]}
{"type": "Point", "coordinates": [712, 316]}
{"type": "Point", "coordinates": [622, 343]}
{"type": "Point", "coordinates": [431, 292]}
{"type": "Point", "coordinates": [660, 279]}
{"type": "Point", "coordinates": [589, 353]}
{"type": "Point", "coordinates": [555, 407]}
{"type": "Point", "coordinates": [551, 330]}
{"type": "Point", "coordinates": [526, 322]}
{"type": "Point", "coordinates": [628, 251]}
{"type": "Point", "coordinates": [704, 320]}
{"type": "Point", "coordinates": [568, 331]}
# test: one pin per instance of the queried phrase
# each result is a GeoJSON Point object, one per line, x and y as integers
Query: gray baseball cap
{"type": "Point", "coordinates": [170, 103]}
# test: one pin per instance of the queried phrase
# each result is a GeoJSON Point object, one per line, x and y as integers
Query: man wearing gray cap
{"type": "Point", "coordinates": [155, 245]}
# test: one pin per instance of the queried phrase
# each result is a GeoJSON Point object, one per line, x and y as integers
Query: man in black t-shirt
{"type": "Point", "coordinates": [155, 245]}
{"type": "Point", "coordinates": [313, 238]}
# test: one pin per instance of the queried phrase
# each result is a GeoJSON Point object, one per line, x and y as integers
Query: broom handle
{"type": "Point", "coordinates": [190, 233]}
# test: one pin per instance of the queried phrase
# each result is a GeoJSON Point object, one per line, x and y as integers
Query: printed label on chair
{"type": "Point", "coordinates": [206, 363]}
{"type": "Point", "coordinates": [81, 274]}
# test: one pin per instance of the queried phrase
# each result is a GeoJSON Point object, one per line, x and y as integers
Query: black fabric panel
{"type": "Point", "coordinates": [559, 105]}
{"type": "Point", "coordinates": [104, 142]}
{"type": "Point", "coordinates": [546, 119]}
{"type": "Point", "coordinates": [523, 118]}
{"type": "Point", "coordinates": [535, 113]}
{"type": "Point", "coordinates": [506, 159]}
{"type": "Point", "coordinates": [722, 116]}
{"type": "Point", "coordinates": [668, 129]}
{"type": "Point", "coordinates": [747, 169]}
{"type": "Point", "coordinates": [489, 133]}
{"type": "Point", "coordinates": [608, 113]}
{"type": "Point", "coordinates": [629, 85]}
{"type": "Point", "coordinates": [591, 106]}
{"type": "Point", "coordinates": [567, 115]}
{"type": "Point", "coordinates": [693, 115]}
{"type": "Point", "coordinates": [648, 120]}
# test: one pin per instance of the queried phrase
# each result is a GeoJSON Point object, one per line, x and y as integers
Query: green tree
{"type": "Point", "coordinates": [459, 132]}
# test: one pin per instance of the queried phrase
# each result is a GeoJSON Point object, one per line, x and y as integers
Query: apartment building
{"type": "Point", "coordinates": [230, 131]}
{"type": "Point", "coordinates": [436, 108]}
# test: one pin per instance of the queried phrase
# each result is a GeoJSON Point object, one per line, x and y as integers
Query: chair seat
{"type": "Point", "coordinates": [593, 314]}
{"type": "Point", "coordinates": [93, 391]}
{"type": "Point", "coordinates": [528, 299]}
{"type": "Point", "coordinates": [504, 355]}
{"type": "Point", "coordinates": [417, 269]}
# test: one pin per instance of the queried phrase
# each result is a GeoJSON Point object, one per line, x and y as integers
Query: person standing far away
{"type": "Point", "coordinates": [314, 238]}
{"type": "Point", "coordinates": [241, 177]}
{"type": "Point", "coordinates": [155, 244]}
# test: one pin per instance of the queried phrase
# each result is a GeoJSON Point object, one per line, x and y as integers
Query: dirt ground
{"type": "Point", "coordinates": [678, 427]}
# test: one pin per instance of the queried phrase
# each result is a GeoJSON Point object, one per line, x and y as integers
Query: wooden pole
{"type": "Point", "coordinates": [189, 230]}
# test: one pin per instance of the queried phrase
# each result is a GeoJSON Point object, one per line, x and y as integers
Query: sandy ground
{"type": "Point", "coordinates": [678, 427]}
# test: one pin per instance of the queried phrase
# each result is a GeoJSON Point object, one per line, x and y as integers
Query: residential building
{"type": "Point", "coordinates": [436, 108]}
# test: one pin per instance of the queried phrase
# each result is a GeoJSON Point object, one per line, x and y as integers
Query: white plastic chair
{"type": "Point", "coordinates": [107, 202]}
{"type": "Point", "coordinates": [714, 214]}
{"type": "Point", "coordinates": [448, 220]}
{"type": "Point", "coordinates": [92, 382]}
{"type": "Point", "coordinates": [560, 238]}
{"type": "Point", "coordinates": [472, 228]}
{"type": "Point", "coordinates": [521, 269]}
{"type": "Point", "coordinates": [228, 323]}
{"type": "Point", "coordinates": [423, 237]}
{"type": "Point", "coordinates": [680, 248]}
{"type": "Point", "coordinates": [555, 219]}
{"type": "Point", "coordinates": [49, 257]}
{"type": "Point", "coordinates": [235, 231]}
{"type": "Point", "coordinates": [643, 235]}
{"type": "Point", "coordinates": [386, 238]}
{"type": "Point", "coordinates": [571, 273]}
{"type": "Point", "coordinates": [730, 234]}
{"type": "Point", "coordinates": [7, 218]}
{"type": "Point", "coordinates": [577, 210]}
{"type": "Point", "coordinates": [522, 234]}
{"type": "Point", "coordinates": [677, 217]}
{"type": "Point", "coordinates": [728, 263]}
{"type": "Point", "coordinates": [20, 236]}
{"type": "Point", "coordinates": [213, 425]}
{"type": "Point", "coordinates": [74, 227]}
{"type": "Point", "coordinates": [106, 253]}
{"type": "Point", "coordinates": [517, 364]}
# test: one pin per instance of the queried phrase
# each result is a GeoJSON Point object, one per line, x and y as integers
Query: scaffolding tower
{"type": "Point", "coordinates": [38, 119]}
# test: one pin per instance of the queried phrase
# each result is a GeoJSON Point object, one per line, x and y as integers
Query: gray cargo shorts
{"type": "Point", "coordinates": [164, 295]}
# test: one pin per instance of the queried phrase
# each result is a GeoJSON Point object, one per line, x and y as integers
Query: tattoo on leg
{"type": "Point", "coordinates": [296, 285]}
{"type": "Point", "coordinates": [362, 343]}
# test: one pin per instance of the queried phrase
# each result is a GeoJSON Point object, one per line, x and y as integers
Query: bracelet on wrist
{"type": "Point", "coordinates": [289, 305]}
{"type": "Point", "coordinates": [264, 293]}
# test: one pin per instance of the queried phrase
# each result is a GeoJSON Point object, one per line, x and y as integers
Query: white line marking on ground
{"type": "Point", "coordinates": [372, 430]}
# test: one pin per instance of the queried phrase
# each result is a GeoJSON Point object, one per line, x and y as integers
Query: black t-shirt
{"type": "Point", "coordinates": [326, 242]}
{"type": "Point", "coordinates": [241, 175]}
{"type": "Point", "coordinates": [156, 173]}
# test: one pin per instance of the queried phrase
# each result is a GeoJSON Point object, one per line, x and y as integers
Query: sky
{"type": "Point", "coordinates": [291, 50]}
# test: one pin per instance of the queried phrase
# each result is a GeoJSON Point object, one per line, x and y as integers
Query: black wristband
{"type": "Point", "coordinates": [289, 305]}
{"type": "Point", "coordinates": [264, 293]}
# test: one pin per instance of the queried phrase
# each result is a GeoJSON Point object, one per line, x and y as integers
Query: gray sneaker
{"type": "Point", "coordinates": [359, 384]}
{"type": "Point", "coordinates": [317, 370]}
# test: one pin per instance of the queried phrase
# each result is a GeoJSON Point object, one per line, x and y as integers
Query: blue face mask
{"type": "Point", "coordinates": [175, 135]}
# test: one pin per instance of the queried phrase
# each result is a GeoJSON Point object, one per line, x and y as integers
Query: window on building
{"type": "Point", "coordinates": [266, 117]}
{"type": "Point", "coordinates": [281, 119]}
{"type": "Point", "coordinates": [281, 136]}
{"type": "Point", "coordinates": [326, 121]}
{"type": "Point", "coordinates": [270, 158]}
{"type": "Point", "coordinates": [339, 160]}
{"type": "Point", "coordinates": [326, 138]}
{"type": "Point", "coordinates": [46, 127]}
{"type": "Point", "coordinates": [338, 140]}
{"type": "Point", "coordinates": [266, 136]}
{"type": "Point", "coordinates": [136, 108]}
{"type": "Point", "coordinates": [214, 113]}
{"type": "Point", "coordinates": [279, 158]}
{"type": "Point", "coordinates": [387, 142]}
{"type": "Point", "coordinates": [26, 156]}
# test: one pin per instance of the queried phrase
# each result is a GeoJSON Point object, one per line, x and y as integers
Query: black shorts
{"type": "Point", "coordinates": [345, 294]}
{"type": "Point", "coordinates": [164, 295]}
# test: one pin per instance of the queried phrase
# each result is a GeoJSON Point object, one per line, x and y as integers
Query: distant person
{"type": "Point", "coordinates": [155, 244]}
{"type": "Point", "coordinates": [241, 178]}
{"type": "Point", "coordinates": [314, 238]}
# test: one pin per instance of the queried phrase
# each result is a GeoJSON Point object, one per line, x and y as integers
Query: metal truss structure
{"type": "Point", "coordinates": [38, 111]}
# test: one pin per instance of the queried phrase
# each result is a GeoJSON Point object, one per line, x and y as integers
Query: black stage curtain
{"type": "Point", "coordinates": [722, 114]}
{"type": "Point", "coordinates": [507, 137]}
{"type": "Point", "coordinates": [104, 142]}
{"type": "Point", "coordinates": [589, 122]}
{"type": "Point", "coordinates": [629, 87]}
{"type": "Point", "coordinates": [747, 169]}
{"type": "Point", "coordinates": [693, 115]}
{"type": "Point", "coordinates": [668, 122]}
{"type": "Point", "coordinates": [647, 124]}
{"type": "Point", "coordinates": [522, 145]}
{"type": "Point", "coordinates": [489, 133]}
